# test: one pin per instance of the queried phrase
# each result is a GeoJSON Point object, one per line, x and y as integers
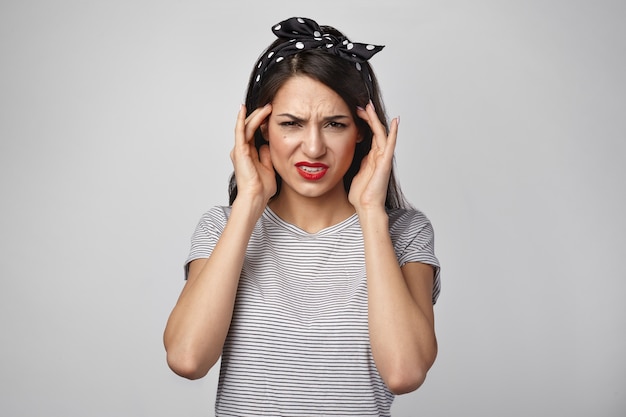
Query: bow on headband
{"type": "Point", "coordinates": [306, 34]}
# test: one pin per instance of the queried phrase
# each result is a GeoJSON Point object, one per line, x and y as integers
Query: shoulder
{"type": "Point", "coordinates": [211, 225]}
{"type": "Point", "coordinates": [215, 217]}
{"type": "Point", "coordinates": [408, 221]}
{"type": "Point", "coordinates": [217, 212]}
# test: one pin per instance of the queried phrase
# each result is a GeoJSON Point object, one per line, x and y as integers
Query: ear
{"type": "Point", "coordinates": [359, 137]}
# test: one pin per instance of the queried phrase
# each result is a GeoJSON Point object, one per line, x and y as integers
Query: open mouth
{"type": "Point", "coordinates": [311, 171]}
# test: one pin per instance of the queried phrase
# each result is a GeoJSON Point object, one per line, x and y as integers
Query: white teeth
{"type": "Point", "coordinates": [311, 169]}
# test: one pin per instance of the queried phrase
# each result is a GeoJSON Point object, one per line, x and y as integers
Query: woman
{"type": "Point", "coordinates": [316, 285]}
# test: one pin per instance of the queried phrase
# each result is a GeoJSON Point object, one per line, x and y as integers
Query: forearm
{"type": "Point", "coordinates": [198, 325]}
{"type": "Point", "coordinates": [401, 332]}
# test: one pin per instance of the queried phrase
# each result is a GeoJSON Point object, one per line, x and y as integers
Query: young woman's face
{"type": "Point", "coordinates": [312, 136]}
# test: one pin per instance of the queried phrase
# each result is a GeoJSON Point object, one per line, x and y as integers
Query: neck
{"type": "Point", "coordinates": [312, 214]}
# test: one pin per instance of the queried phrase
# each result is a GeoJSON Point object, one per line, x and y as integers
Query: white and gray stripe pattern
{"type": "Point", "coordinates": [298, 343]}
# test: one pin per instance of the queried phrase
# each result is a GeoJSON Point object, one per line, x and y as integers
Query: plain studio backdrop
{"type": "Point", "coordinates": [116, 121]}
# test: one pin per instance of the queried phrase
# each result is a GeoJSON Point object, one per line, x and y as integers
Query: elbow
{"type": "Point", "coordinates": [404, 377]}
{"type": "Point", "coordinates": [187, 357]}
{"type": "Point", "coordinates": [187, 365]}
{"type": "Point", "coordinates": [404, 381]}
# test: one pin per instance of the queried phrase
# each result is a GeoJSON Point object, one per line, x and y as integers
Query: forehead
{"type": "Point", "coordinates": [308, 95]}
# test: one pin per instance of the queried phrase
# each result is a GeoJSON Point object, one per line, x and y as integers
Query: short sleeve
{"type": "Point", "coordinates": [413, 239]}
{"type": "Point", "coordinates": [206, 235]}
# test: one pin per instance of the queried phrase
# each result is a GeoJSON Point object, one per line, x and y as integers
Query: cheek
{"type": "Point", "coordinates": [281, 142]}
{"type": "Point", "coordinates": [352, 144]}
{"type": "Point", "coordinates": [347, 153]}
{"type": "Point", "coordinates": [279, 148]}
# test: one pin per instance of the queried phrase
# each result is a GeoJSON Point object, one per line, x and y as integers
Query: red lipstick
{"type": "Point", "coordinates": [312, 171]}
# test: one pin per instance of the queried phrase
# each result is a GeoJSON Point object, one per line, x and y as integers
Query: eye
{"type": "Point", "coordinates": [288, 123]}
{"type": "Point", "coordinates": [336, 125]}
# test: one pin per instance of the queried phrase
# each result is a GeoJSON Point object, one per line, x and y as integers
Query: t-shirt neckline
{"type": "Point", "coordinates": [335, 228]}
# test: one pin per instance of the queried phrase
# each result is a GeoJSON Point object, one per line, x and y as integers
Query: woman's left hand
{"type": "Point", "coordinates": [369, 186]}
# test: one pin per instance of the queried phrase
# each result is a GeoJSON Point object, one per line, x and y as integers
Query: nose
{"type": "Point", "coordinates": [313, 144]}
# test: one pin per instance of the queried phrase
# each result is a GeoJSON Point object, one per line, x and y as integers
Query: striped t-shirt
{"type": "Point", "coordinates": [298, 343]}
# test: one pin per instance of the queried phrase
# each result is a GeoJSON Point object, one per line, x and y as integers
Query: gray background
{"type": "Point", "coordinates": [116, 120]}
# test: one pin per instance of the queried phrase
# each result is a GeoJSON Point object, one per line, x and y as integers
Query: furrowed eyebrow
{"type": "Point", "coordinates": [291, 116]}
{"type": "Point", "coordinates": [337, 117]}
{"type": "Point", "coordinates": [326, 119]}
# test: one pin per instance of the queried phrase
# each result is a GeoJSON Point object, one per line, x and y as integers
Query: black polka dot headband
{"type": "Point", "coordinates": [305, 34]}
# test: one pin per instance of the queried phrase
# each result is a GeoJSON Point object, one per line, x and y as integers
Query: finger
{"type": "Point", "coordinates": [240, 137]}
{"type": "Point", "coordinates": [255, 112]}
{"type": "Point", "coordinates": [378, 129]}
{"type": "Point", "coordinates": [390, 146]}
{"type": "Point", "coordinates": [255, 119]}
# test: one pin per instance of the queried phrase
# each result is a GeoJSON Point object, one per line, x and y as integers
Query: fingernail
{"type": "Point", "coordinates": [372, 104]}
{"type": "Point", "coordinates": [360, 108]}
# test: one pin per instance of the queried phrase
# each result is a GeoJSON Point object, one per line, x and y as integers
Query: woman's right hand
{"type": "Point", "coordinates": [254, 171]}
